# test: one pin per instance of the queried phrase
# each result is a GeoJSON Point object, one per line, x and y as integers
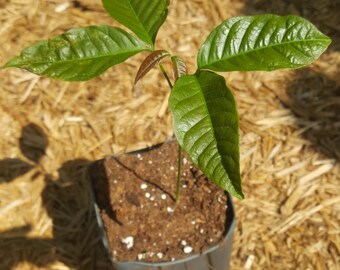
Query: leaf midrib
{"type": "Point", "coordinates": [80, 59]}
{"type": "Point", "coordinates": [149, 41]}
{"type": "Point", "coordinates": [208, 113]}
{"type": "Point", "coordinates": [220, 156]}
{"type": "Point", "coordinates": [267, 47]}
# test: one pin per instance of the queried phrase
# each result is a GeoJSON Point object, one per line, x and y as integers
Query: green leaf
{"type": "Point", "coordinates": [79, 54]}
{"type": "Point", "coordinates": [262, 42]}
{"type": "Point", "coordinates": [144, 18]}
{"type": "Point", "coordinates": [205, 122]}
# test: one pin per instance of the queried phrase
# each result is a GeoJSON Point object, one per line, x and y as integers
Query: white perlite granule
{"type": "Point", "coordinates": [141, 256]}
{"type": "Point", "coordinates": [143, 186]}
{"type": "Point", "coordinates": [128, 241]}
{"type": "Point", "coordinates": [187, 249]}
{"type": "Point", "coordinates": [145, 255]}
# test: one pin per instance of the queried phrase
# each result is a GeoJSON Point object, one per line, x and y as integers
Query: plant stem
{"type": "Point", "coordinates": [179, 161]}
{"type": "Point", "coordinates": [165, 75]}
{"type": "Point", "coordinates": [179, 172]}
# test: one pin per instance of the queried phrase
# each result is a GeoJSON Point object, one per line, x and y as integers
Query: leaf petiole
{"type": "Point", "coordinates": [165, 75]}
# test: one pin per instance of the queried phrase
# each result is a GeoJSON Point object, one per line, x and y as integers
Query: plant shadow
{"type": "Point", "coordinates": [11, 168]}
{"type": "Point", "coordinates": [97, 171]}
{"type": "Point", "coordinates": [33, 143]}
{"type": "Point", "coordinates": [75, 241]}
{"type": "Point", "coordinates": [315, 100]}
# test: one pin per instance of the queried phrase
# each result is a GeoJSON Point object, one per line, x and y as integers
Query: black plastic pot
{"type": "Point", "coordinates": [215, 258]}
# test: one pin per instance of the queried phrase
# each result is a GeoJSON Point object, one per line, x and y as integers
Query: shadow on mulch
{"type": "Point", "coordinates": [75, 239]}
{"type": "Point", "coordinates": [315, 100]}
{"type": "Point", "coordinates": [33, 144]}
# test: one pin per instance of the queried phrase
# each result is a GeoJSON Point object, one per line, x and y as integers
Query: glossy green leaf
{"type": "Point", "coordinates": [205, 122]}
{"type": "Point", "coordinates": [262, 42]}
{"type": "Point", "coordinates": [79, 54]}
{"type": "Point", "coordinates": [144, 18]}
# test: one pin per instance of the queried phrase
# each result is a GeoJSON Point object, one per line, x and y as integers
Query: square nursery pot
{"type": "Point", "coordinates": [215, 257]}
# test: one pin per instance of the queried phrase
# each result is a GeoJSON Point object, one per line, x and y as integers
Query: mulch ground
{"type": "Point", "coordinates": [52, 130]}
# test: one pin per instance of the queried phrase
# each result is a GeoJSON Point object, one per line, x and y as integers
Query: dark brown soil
{"type": "Point", "coordinates": [135, 194]}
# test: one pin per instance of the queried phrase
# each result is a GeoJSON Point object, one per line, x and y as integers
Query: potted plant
{"type": "Point", "coordinates": [205, 123]}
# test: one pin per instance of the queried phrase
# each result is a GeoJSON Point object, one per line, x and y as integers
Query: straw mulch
{"type": "Point", "coordinates": [51, 130]}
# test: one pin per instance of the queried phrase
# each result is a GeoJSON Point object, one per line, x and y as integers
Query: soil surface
{"type": "Point", "coordinates": [135, 194]}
